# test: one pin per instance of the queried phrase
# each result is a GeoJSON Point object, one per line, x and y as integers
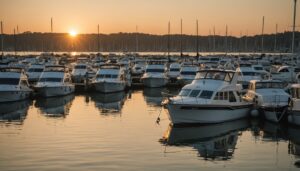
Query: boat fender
{"type": "Point", "coordinates": [290, 119]}
{"type": "Point", "coordinates": [254, 113]}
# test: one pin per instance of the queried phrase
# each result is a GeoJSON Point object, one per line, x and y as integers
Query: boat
{"type": "Point", "coordinates": [155, 74]}
{"type": "Point", "coordinates": [79, 73]}
{"type": "Point", "coordinates": [294, 106]}
{"type": "Point", "coordinates": [283, 73]}
{"type": "Point", "coordinates": [110, 78]}
{"type": "Point", "coordinates": [13, 84]}
{"type": "Point", "coordinates": [247, 73]}
{"type": "Point", "coordinates": [269, 97]}
{"type": "Point", "coordinates": [213, 97]}
{"type": "Point", "coordinates": [174, 72]}
{"type": "Point", "coordinates": [54, 81]}
{"type": "Point", "coordinates": [212, 141]}
{"type": "Point", "coordinates": [187, 74]}
{"type": "Point", "coordinates": [34, 72]}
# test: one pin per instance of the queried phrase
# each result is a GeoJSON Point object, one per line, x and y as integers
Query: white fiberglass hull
{"type": "Point", "coordinates": [154, 82]}
{"type": "Point", "coordinates": [11, 95]}
{"type": "Point", "coordinates": [205, 114]}
{"type": "Point", "coordinates": [274, 114]}
{"type": "Point", "coordinates": [55, 90]}
{"type": "Point", "coordinates": [109, 87]}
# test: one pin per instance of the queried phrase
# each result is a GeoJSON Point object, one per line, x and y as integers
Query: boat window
{"type": "Point", "coordinates": [174, 69]}
{"type": "Point", "coordinates": [206, 94]}
{"type": "Point", "coordinates": [225, 94]}
{"type": "Point", "coordinates": [231, 97]}
{"type": "Point", "coordinates": [9, 81]}
{"type": "Point", "coordinates": [258, 68]}
{"type": "Point", "coordinates": [155, 70]}
{"type": "Point", "coordinates": [50, 80]}
{"type": "Point", "coordinates": [184, 92]}
{"type": "Point", "coordinates": [284, 70]}
{"type": "Point", "coordinates": [107, 76]}
{"type": "Point", "coordinates": [100, 76]}
{"type": "Point", "coordinates": [188, 73]}
{"type": "Point", "coordinates": [80, 67]}
{"type": "Point", "coordinates": [194, 93]}
{"type": "Point", "coordinates": [263, 85]}
{"type": "Point", "coordinates": [250, 73]}
{"type": "Point", "coordinates": [217, 96]}
{"type": "Point", "coordinates": [114, 76]}
{"type": "Point", "coordinates": [35, 70]}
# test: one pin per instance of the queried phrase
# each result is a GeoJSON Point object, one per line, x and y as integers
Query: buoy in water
{"type": "Point", "coordinates": [254, 113]}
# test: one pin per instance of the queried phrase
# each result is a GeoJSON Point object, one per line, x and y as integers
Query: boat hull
{"type": "Point", "coordinates": [186, 114]}
{"type": "Point", "coordinates": [294, 117]}
{"type": "Point", "coordinates": [11, 96]}
{"type": "Point", "coordinates": [109, 87]}
{"type": "Point", "coordinates": [154, 82]}
{"type": "Point", "coordinates": [55, 91]}
{"type": "Point", "coordinates": [274, 114]}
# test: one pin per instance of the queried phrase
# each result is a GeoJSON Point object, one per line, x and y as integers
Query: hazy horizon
{"type": "Point", "coordinates": [151, 17]}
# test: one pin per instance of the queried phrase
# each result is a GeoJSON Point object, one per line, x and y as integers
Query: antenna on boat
{"type": "Point", "coordinates": [197, 40]}
{"type": "Point", "coordinates": [294, 25]}
{"type": "Point", "coordinates": [181, 38]}
{"type": "Point", "coordinates": [2, 50]}
{"type": "Point", "coordinates": [262, 34]}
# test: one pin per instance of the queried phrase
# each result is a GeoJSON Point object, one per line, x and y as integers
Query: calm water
{"type": "Point", "coordinates": [118, 132]}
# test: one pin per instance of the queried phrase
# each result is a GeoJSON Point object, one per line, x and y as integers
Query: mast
{"type": "Point", "coordinates": [294, 25]}
{"type": "Point", "coordinates": [214, 40]}
{"type": "Point", "coordinates": [181, 38]}
{"type": "Point", "coordinates": [226, 39]}
{"type": "Point", "coordinates": [15, 42]}
{"type": "Point", "coordinates": [197, 40]}
{"type": "Point", "coordinates": [51, 35]}
{"type": "Point", "coordinates": [98, 39]}
{"type": "Point", "coordinates": [275, 38]}
{"type": "Point", "coordinates": [2, 50]}
{"type": "Point", "coordinates": [136, 39]}
{"type": "Point", "coordinates": [169, 41]}
{"type": "Point", "coordinates": [262, 34]}
{"type": "Point", "coordinates": [246, 42]}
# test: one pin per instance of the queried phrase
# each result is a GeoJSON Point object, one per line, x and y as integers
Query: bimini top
{"type": "Point", "coordinates": [222, 75]}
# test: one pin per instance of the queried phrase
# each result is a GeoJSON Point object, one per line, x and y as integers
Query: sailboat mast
{"type": "Point", "coordinates": [226, 39]}
{"type": "Point", "coordinates": [2, 53]}
{"type": "Point", "coordinates": [262, 34]}
{"type": "Point", "coordinates": [98, 38]}
{"type": "Point", "coordinates": [275, 38]}
{"type": "Point", "coordinates": [197, 40]}
{"type": "Point", "coordinates": [136, 39]}
{"type": "Point", "coordinates": [169, 41]}
{"type": "Point", "coordinates": [15, 42]}
{"type": "Point", "coordinates": [294, 25]}
{"type": "Point", "coordinates": [181, 38]}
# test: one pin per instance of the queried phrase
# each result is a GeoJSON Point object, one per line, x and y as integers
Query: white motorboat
{"type": "Point", "coordinates": [174, 72]}
{"type": "Point", "coordinates": [79, 73]}
{"type": "Point", "coordinates": [54, 81]}
{"type": "Point", "coordinates": [213, 97]}
{"type": "Point", "coordinates": [269, 97]}
{"type": "Point", "coordinates": [110, 78]}
{"type": "Point", "coordinates": [155, 74]}
{"type": "Point", "coordinates": [34, 72]}
{"type": "Point", "coordinates": [247, 73]}
{"type": "Point", "coordinates": [187, 74]}
{"type": "Point", "coordinates": [13, 84]}
{"type": "Point", "coordinates": [294, 106]}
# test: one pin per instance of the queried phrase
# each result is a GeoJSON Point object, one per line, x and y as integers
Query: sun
{"type": "Point", "coordinates": [72, 33]}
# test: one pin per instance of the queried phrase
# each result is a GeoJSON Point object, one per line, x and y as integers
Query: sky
{"type": "Point", "coordinates": [149, 16]}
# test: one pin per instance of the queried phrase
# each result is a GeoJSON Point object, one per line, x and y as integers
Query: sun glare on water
{"type": "Point", "coordinates": [72, 33]}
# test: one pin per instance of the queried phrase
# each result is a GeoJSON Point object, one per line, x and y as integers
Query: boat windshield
{"type": "Point", "coordinates": [263, 85]}
{"type": "Point", "coordinates": [35, 70]}
{"type": "Point", "coordinates": [50, 80]}
{"type": "Point", "coordinates": [107, 76]}
{"type": "Point", "coordinates": [155, 70]}
{"type": "Point", "coordinates": [9, 81]}
{"type": "Point", "coordinates": [215, 75]}
{"type": "Point", "coordinates": [174, 69]}
{"type": "Point", "coordinates": [188, 73]}
{"type": "Point", "coordinates": [80, 67]}
{"type": "Point", "coordinates": [184, 92]}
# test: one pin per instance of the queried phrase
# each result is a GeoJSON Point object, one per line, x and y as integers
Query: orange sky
{"type": "Point", "coordinates": [151, 16]}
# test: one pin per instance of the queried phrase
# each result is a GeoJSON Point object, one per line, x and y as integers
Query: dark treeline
{"type": "Point", "coordinates": [127, 42]}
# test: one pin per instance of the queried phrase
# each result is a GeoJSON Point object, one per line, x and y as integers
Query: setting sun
{"type": "Point", "coordinates": [73, 33]}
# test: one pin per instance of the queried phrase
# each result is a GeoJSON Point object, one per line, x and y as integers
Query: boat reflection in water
{"type": "Point", "coordinates": [55, 106]}
{"type": "Point", "coordinates": [14, 111]}
{"type": "Point", "coordinates": [109, 102]}
{"type": "Point", "coordinates": [213, 141]}
{"type": "Point", "coordinates": [274, 132]}
{"type": "Point", "coordinates": [294, 143]}
{"type": "Point", "coordinates": [153, 96]}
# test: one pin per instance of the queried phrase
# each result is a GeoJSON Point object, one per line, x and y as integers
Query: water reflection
{"type": "Point", "coordinates": [109, 102]}
{"type": "Point", "coordinates": [55, 106]}
{"type": "Point", "coordinates": [294, 143]}
{"type": "Point", "coordinates": [274, 132]}
{"type": "Point", "coordinates": [14, 111]}
{"type": "Point", "coordinates": [212, 142]}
